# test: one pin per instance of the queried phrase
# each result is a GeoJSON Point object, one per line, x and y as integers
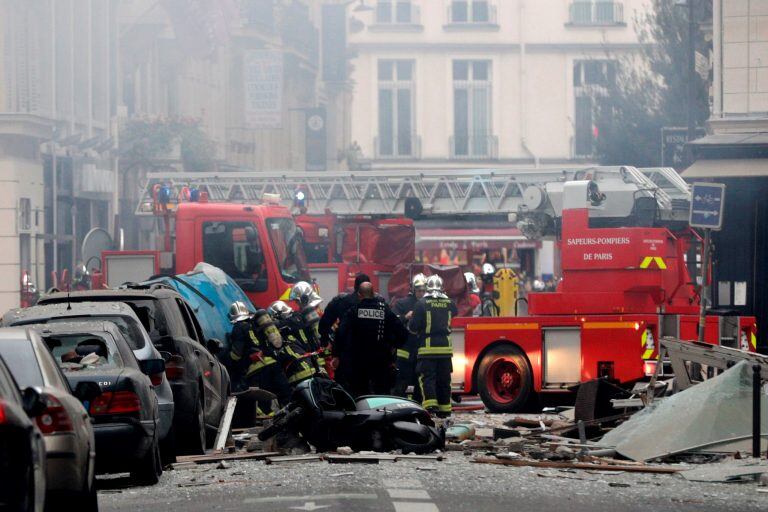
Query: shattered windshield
{"type": "Point", "coordinates": [288, 245]}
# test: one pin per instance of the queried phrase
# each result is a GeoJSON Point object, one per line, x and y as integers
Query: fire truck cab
{"type": "Point", "coordinates": [626, 250]}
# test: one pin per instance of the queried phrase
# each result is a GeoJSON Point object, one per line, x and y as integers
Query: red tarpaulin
{"type": "Point", "coordinates": [385, 243]}
{"type": "Point", "coordinates": [453, 281]}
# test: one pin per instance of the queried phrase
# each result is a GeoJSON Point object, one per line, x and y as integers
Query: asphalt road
{"type": "Point", "coordinates": [410, 486]}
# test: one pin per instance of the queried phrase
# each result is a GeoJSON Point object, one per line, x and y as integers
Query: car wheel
{"type": "Point", "coordinates": [168, 447]}
{"type": "Point", "coordinates": [504, 379]}
{"type": "Point", "coordinates": [195, 438]}
{"type": "Point", "coordinates": [148, 469]}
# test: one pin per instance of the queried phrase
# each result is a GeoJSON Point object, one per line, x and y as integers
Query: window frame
{"type": "Point", "coordinates": [470, 84]}
{"type": "Point", "coordinates": [395, 86]}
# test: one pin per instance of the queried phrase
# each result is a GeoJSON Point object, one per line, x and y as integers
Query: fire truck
{"type": "Point", "coordinates": [629, 262]}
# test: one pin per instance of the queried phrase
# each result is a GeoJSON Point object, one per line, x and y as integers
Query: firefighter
{"type": "Point", "coordinates": [306, 322]}
{"type": "Point", "coordinates": [256, 343]}
{"type": "Point", "coordinates": [294, 358]}
{"type": "Point", "coordinates": [406, 356]}
{"type": "Point", "coordinates": [474, 290]}
{"type": "Point", "coordinates": [337, 308]}
{"type": "Point", "coordinates": [366, 342]}
{"type": "Point", "coordinates": [431, 322]}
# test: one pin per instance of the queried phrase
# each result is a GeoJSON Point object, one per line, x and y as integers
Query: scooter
{"type": "Point", "coordinates": [326, 416]}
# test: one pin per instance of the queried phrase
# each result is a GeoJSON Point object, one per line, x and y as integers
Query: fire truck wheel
{"type": "Point", "coordinates": [504, 379]}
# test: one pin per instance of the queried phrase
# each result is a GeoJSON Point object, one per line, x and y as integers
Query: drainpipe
{"type": "Point", "coordinates": [522, 84]}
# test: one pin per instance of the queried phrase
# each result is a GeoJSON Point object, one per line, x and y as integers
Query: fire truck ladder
{"type": "Point", "coordinates": [459, 192]}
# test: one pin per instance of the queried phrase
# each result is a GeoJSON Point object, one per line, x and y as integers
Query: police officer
{"type": "Point", "coordinates": [365, 344]}
{"type": "Point", "coordinates": [256, 343]}
{"type": "Point", "coordinates": [431, 322]}
{"type": "Point", "coordinates": [406, 356]}
{"type": "Point", "coordinates": [306, 322]}
{"type": "Point", "coordinates": [294, 358]}
{"type": "Point", "coordinates": [337, 308]}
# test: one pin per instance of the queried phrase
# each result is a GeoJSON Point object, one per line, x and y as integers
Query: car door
{"type": "Point", "coordinates": [211, 369]}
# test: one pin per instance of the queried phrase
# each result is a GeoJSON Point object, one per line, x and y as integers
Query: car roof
{"type": "Point", "coordinates": [116, 295]}
{"type": "Point", "coordinates": [14, 333]}
{"type": "Point", "coordinates": [63, 310]}
{"type": "Point", "coordinates": [76, 327]}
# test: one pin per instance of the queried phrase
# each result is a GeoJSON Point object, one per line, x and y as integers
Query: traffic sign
{"type": "Point", "coordinates": [707, 200]}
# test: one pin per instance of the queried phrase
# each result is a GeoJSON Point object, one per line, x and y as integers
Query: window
{"type": "Point", "coordinates": [72, 351]}
{"type": "Point", "coordinates": [471, 11]}
{"type": "Point", "coordinates": [25, 214]}
{"type": "Point", "coordinates": [472, 136]}
{"type": "Point", "coordinates": [235, 247]}
{"type": "Point", "coordinates": [592, 80]}
{"type": "Point", "coordinates": [288, 244]}
{"type": "Point", "coordinates": [596, 12]}
{"type": "Point", "coordinates": [396, 137]}
{"type": "Point", "coordinates": [395, 11]}
{"type": "Point", "coordinates": [22, 361]}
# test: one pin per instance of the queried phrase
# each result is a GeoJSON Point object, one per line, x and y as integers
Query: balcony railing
{"type": "Point", "coordinates": [586, 13]}
{"type": "Point", "coordinates": [472, 13]}
{"type": "Point", "coordinates": [472, 147]}
{"type": "Point", "coordinates": [397, 148]}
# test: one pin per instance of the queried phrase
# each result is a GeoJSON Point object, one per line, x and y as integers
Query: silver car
{"type": "Point", "coordinates": [130, 326]}
{"type": "Point", "coordinates": [65, 424]}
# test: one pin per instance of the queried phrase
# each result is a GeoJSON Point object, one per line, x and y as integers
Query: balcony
{"type": "Point", "coordinates": [599, 13]}
{"type": "Point", "coordinates": [397, 17]}
{"type": "Point", "coordinates": [474, 147]}
{"type": "Point", "coordinates": [472, 15]}
{"type": "Point", "coordinates": [398, 149]}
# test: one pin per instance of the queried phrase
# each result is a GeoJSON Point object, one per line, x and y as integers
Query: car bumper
{"type": "Point", "coordinates": [119, 445]}
{"type": "Point", "coordinates": [67, 462]}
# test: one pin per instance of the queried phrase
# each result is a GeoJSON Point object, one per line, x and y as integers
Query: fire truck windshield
{"type": "Point", "coordinates": [289, 250]}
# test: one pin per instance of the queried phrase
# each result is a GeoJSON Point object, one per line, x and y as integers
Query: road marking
{"type": "Point", "coordinates": [415, 506]}
{"type": "Point", "coordinates": [310, 505]}
{"type": "Point", "coordinates": [304, 499]}
{"type": "Point", "coordinates": [408, 494]}
{"type": "Point", "coordinates": [395, 483]}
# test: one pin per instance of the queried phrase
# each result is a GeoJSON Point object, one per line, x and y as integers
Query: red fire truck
{"type": "Point", "coordinates": [625, 252]}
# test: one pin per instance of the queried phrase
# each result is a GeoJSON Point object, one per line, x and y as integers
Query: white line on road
{"type": "Point", "coordinates": [408, 494]}
{"type": "Point", "coordinates": [396, 483]}
{"type": "Point", "coordinates": [304, 499]}
{"type": "Point", "coordinates": [414, 506]}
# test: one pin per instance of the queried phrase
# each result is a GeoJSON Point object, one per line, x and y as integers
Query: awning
{"type": "Point", "coordinates": [730, 168]}
{"type": "Point", "coordinates": [472, 239]}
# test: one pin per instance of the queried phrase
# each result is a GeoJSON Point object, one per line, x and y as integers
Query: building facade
{"type": "Point", "coordinates": [446, 83]}
{"type": "Point", "coordinates": [735, 152]}
{"type": "Point", "coordinates": [56, 97]}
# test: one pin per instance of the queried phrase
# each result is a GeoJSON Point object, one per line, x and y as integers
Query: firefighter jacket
{"type": "Point", "coordinates": [335, 312]}
{"type": "Point", "coordinates": [255, 343]}
{"type": "Point", "coordinates": [401, 308]}
{"type": "Point", "coordinates": [370, 331]}
{"type": "Point", "coordinates": [294, 359]}
{"type": "Point", "coordinates": [431, 322]}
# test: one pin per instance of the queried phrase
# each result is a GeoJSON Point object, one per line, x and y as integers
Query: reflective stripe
{"type": "Point", "coordinates": [435, 351]}
{"type": "Point", "coordinates": [444, 408]}
{"type": "Point", "coordinates": [302, 375]}
{"type": "Point", "coordinates": [646, 263]}
{"type": "Point", "coordinates": [421, 386]}
{"type": "Point", "coordinates": [258, 365]}
{"type": "Point", "coordinates": [753, 340]}
{"type": "Point", "coordinates": [429, 403]}
{"type": "Point", "coordinates": [428, 329]}
{"type": "Point", "coordinates": [404, 354]}
{"type": "Point", "coordinates": [235, 356]}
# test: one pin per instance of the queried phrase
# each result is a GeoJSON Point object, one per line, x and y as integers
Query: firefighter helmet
{"type": "Point", "coordinates": [303, 293]}
{"type": "Point", "coordinates": [471, 282]}
{"type": "Point", "coordinates": [488, 269]}
{"type": "Point", "coordinates": [238, 312]}
{"type": "Point", "coordinates": [419, 281]}
{"type": "Point", "coordinates": [279, 309]}
{"type": "Point", "coordinates": [434, 283]}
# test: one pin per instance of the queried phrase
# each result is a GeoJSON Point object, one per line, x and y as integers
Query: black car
{"type": "Point", "coordinates": [22, 448]}
{"type": "Point", "coordinates": [199, 381]}
{"type": "Point", "coordinates": [123, 406]}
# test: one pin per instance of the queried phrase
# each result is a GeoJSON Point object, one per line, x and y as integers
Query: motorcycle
{"type": "Point", "coordinates": [326, 416]}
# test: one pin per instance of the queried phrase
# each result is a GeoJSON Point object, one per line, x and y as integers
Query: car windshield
{"type": "Point", "coordinates": [129, 328]}
{"type": "Point", "coordinates": [76, 352]}
{"type": "Point", "coordinates": [22, 362]}
{"type": "Point", "coordinates": [288, 245]}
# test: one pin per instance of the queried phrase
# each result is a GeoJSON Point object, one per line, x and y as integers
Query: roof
{"type": "Point", "coordinates": [76, 327]}
{"type": "Point", "coordinates": [67, 310]}
{"type": "Point", "coordinates": [727, 168]}
{"type": "Point", "coordinates": [101, 295]}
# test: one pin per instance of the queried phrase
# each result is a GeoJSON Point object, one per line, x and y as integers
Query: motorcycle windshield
{"type": "Point", "coordinates": [385, 402]}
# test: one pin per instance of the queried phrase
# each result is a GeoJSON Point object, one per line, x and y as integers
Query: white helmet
{"type": "Point", "coordinates": [434, 284]}
{"type": "Point", "coordinates": [303, 293]}
{"type": "Point", "coordinates": [538, 285]}
{"type": "Point", "coordinates": [279, 309]}
{"type": "Point", "coordinates": [418, 281]}
{"type": "Point", "coordinates": [488, 269]}
{"type": "Point", "coordinates": [238, 312]}
{"type": "Point", "coordinates": [471, 282]}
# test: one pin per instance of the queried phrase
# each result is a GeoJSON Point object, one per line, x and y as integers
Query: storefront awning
{"type": "Point", "coordinates": [477, 239]}
{"type": "Point", "coordinates": [727, 168]}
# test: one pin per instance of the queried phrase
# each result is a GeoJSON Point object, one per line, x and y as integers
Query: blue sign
{"type": "Point", "coordinates": [707, 200]}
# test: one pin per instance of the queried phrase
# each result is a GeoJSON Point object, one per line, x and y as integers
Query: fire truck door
{"type": "Point", "coordinates": [562, 357]}
{"type": "Point", "coordinates": [327, 279]}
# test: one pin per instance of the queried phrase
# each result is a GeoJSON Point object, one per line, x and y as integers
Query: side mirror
{"type": "Point", "coordinates": [32, 402]}
{"type": "Point", "coordinates": [152, 366]}
{"type": "Point", "coordinates": [86, 391]}
{"type": "Point", "coordinates": [214, 346]}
